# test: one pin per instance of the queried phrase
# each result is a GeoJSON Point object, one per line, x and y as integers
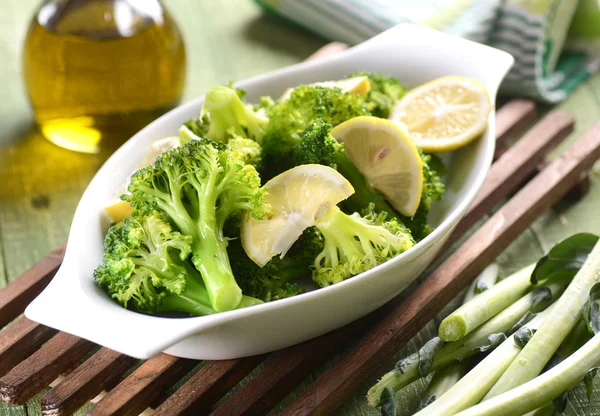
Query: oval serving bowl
{"type": "Point", "coordinates": [73, 303]}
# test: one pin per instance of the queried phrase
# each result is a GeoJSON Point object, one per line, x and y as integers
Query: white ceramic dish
{"type": "Point", "coordinates": [75, 304]}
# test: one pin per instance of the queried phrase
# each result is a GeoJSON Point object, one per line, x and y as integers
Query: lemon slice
{"type": "Point", "coordinates": [444, 114]}
{"type": "Point", "coordinates": [356, 85]}
{"type": "Point", "coordinates": [299, 197]}
{"type": "Point", "coordinates": [386, 157]}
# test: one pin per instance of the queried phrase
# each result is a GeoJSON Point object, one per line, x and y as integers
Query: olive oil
{"type": "Point", "coordinates": [97, 71]}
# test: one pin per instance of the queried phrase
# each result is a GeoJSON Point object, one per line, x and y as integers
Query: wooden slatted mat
{"type": "Point", "coordinates": [33, 356]}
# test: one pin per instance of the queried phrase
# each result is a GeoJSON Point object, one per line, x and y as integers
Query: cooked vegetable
{"type": "Point", "coordinates": [146, 266]}
{"type": "Point", "coordinates": [275, 279]}
{"type": "Point", "coordinates": [354, 244]}
{"type": "Point", "coordinates": [316, 145]}
{"type": "Point", "coordinates": [385, 92]}
{"type": "Point", "coordinates": [224, 115]}
{"type": "Point", "coordinates": [291, 117]}
{"type": "Point", "coordinates": [198, 187]}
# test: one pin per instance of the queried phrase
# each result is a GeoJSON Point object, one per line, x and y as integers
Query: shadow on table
{"type": "Point", "coordinates": [34, 171]}
{"type": "Point", "coordinates": [283, 35]}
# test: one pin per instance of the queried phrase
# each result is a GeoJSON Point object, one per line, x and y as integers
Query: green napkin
{"type": "Point", "coordinates": [555, 43]}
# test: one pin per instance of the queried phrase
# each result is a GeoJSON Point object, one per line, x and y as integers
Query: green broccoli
{"type": "Point", "coordinates": [197, 187]}
{"type": "Point", "coordinates": [224, 114]}
{"type": "Point", "coordinates": [247, 150]}
{"type": "Point", "coordinates": [145, 266]}
{"type": "Point", "coordinates": [316, 145]}
{"type": "Point", "coordinates": [355, 244]}
{"type": "Point", "coordinates": [274, 280]}
{"type": "Point", "coordinates": [433, 190]}
{"type": "Point", "coordinates": [289, 118]}
{"type": "Point", "coordinates": [385, 92]}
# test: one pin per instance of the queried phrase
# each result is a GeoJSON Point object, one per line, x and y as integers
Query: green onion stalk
{"type": "Point", "coordinates": [473, 387]}
{"type": "Point", "coordinates": [554, 331]}
{"type": "Point", "coordinates": [485, 338]}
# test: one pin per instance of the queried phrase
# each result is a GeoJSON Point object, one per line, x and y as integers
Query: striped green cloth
{"type": "Point", "coordinates": [555, 43]}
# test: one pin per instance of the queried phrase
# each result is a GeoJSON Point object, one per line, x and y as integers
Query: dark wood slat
{"type": "Point", "coordinates": [101, 370]}
{"type": "Point", "coordinates": [286, 370]}
{"type": "Point", "coordinates": [410, 315]}
{"type": "Point", "coordinates": [512, 119]}
{"type": "Point", "coordinates": [55, 357]}
{"type": "Point", "coordinates": [20, 340]}
{"type": "Point", "coordinates": [207, 386]}
{"type": "Point", "coordinates": [516, 165]}
{"type": "Point", "coordinates": [17, 295]}
{"type": "Point", "coordinates": [143, 386]}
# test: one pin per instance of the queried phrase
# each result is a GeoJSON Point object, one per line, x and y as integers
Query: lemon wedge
{"type": "Point", "coordinates": [356, 85]}
{"type": "Point", "coordinates": [118, 210]}
{"type": "Point", "coordinates": [299, 197]}
{"type": "Point", "coordinates": [444, 114]}
{"type": "Point", "coordinates": [386, 157]}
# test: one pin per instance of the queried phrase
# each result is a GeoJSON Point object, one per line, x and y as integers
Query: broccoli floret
{"type": "Point", "coordinates": [145, 266]}
{"type": "Point", "coordinates": [384, 94]}
{"type": "Point", "coordinates": [197, 187]}
{"type": "Point", "coordinates": [355, 244]}
{"type": "Point", "coordinates": [247, 150]}
{"type": "Point", "coordinates": [433, 190]}
{"type": "Point", "coordinates": [275, 279]}
{"type": "Point", "coordinates": [316, 145]}
{"type": "Point", "coordinates": [289, 118]}
{"type": "Point", "coordinates": [224, 114]}
{"type": "Point", "coordinates": [198, 126]}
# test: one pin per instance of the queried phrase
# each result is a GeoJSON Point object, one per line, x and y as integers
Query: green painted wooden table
{"type": "Point", "coordinates": [40, 184]}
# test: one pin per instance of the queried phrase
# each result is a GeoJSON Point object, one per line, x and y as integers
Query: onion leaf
{"type": "Point", "coordinates": [388, 402]}
{"type": "Point", "coordinates": [564, 260]}
{"type": "Point", "coordinates": [426, 354]}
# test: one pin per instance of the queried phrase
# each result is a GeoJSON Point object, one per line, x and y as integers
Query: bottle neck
{"type": "Point", "coordinates": [100, 19]}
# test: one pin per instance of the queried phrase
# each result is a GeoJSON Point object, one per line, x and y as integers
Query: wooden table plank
{"type": "Point", "coordinates": [20, 340]}
{"type": "Point", "coordinates": [207, 386]}
{"type": "Point", "coordinates": [57, 356]}
{"type": "Point", "coordinates": [17, 295]}
{"type": "Point", "coordinates": [88, 380]}
{"type": "Point", "coordinates": [409, 316]}
{"type": "Point", "coordinates": [143, 386]}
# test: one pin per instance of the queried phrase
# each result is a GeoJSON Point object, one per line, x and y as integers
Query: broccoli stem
{"type": "Point", "coordinates": [194, 300]}
{"type": "Point", "coordinates": [364, 193]}
{"type": "Point", "coordinates": [442, 381]}
{"type": "Point", "coordinates": [546, 387]}
{"type": "Point", "coordinates": [468, 346]}
{"type": "Point", "coordinates": [471, 315]}
{"type": "Point", "coordinates": [553, 332]}
{"type": "Point", "coordinates": [472, 387]}
{"type": "Point", "coordinates": [210, 258]}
